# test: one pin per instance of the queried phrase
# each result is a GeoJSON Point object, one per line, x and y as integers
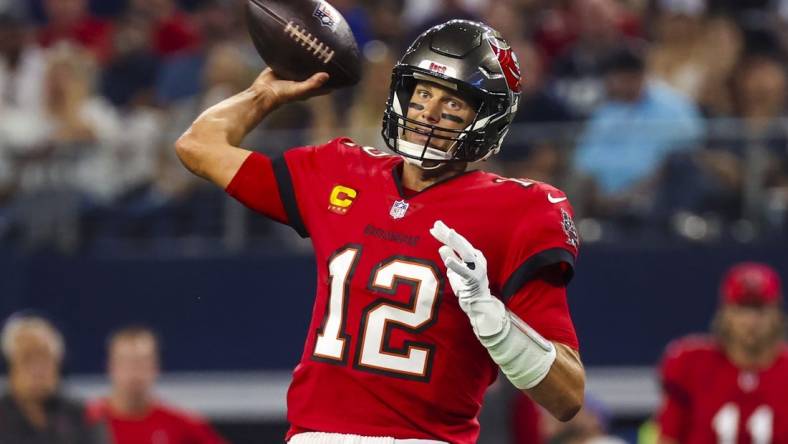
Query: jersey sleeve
{"type": "Point", "coordinates": [300, 171]}
{"type": "Point", "coordinates": [674, 412]}
{"type": "Point", "coordinates": [255, 186]}
{"type": "Point", "coordinates": [544, 235]}
{"type": "Point", "coordinates": [280, 187]}
{"type": "Point", "coordinates": [542, 304]}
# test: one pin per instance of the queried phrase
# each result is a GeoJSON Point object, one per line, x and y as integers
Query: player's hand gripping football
{"type": "Point", "coordinates": [282, 91]}
{"type": "Point", "coordinates": [466, 268]}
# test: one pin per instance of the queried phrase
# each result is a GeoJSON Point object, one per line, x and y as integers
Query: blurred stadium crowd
{"type": "Point", "coordinates": [663, 120]}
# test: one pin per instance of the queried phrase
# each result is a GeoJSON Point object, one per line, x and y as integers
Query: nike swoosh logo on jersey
{"type": "Point", "coordinates": [555, 200]}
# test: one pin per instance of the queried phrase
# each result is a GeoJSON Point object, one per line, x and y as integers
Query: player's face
{"type": "Point", "coordinates": [433, 104]}
{"type": "Point", "coordinates": [752, 327]}
{"type": "Point", "coordinates": [134, 366]}
{"type": "Point", "coordinates": [34, 364]}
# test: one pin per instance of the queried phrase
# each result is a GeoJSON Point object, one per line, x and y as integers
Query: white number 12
{"type": "Point", "coordinates": [414, 360]}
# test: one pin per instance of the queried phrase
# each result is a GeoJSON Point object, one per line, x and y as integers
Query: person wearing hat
{"type": "Point", "coordinates": [731, 386]}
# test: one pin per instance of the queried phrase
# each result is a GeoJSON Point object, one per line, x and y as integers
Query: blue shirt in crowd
{"type": "Point", "coordinates": [626, 142]}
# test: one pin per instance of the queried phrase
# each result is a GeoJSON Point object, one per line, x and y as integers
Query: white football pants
{"type": "Point", "coordinates": [339, 438]}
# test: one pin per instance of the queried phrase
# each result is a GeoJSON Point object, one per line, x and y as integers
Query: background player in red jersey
{"type": "Point", "coordinates": [731, 387]}
{"type": "Point", "coordinates": [390, 354]}
{"type": "Point", "coordinates": [131, 410]}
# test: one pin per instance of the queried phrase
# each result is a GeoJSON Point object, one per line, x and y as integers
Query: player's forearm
{"type": "Point", "coordinates": [209, 148]}
{"type": "Point", "coordinates": [561, 391]}
{"type": "Point", "coordinates": [550, 372]}
{"type": "Point", "coordinates": [230, 120]}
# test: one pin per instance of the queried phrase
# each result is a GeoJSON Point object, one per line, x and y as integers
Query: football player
{"type": "Point", "coordinates": [430, 277]}
{"type": "Point", "coordinates": [731, 387]}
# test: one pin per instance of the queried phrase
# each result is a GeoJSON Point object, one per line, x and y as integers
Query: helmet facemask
{"type": "Point", "coordinates": [475, 79]}
{"type": "Point", "coordinates": [465, 143]}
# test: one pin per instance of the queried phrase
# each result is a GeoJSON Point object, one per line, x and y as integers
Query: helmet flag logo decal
{"type": "Point", "coordinates": [508, 60]}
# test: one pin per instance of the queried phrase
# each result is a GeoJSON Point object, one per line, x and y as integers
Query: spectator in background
{"type": "Point", "coordinates": [752, 159]}
{"type": "Point", "coordinates": [760, 92]}
{"type": "Point", "coordinates": [217, 23]}
{"type": "Point", "coordinates": [694, 54]}
{"type": "Point", "coordinates": [22, 68]}
{"type": "Point", "coordinates": [629, 137]}
{"type": "Point", "coordinates": [732, 386]}
{"type": "Point", "coordinates": [131, 410]}
{"type": "Point", "coordinates": [129, 78]}
{"type": "Point", "coordinates": [386, 21]}
{"type": "Point", "coordinates": [22, 73]}
{"type": "Point", "coordinates": [82, 127]}
{"type": "Point", "coordinates": [678, 54]}
{"type": "Point", "coordinates": [72, 133]}
{"type": "Point", "coordinates": [225, 74]}
{"type": "Point", "coordinates": [723, 43]}
{"type": "Point", "coordinates": [33, 411]}
{"type": "Point", "coordinates": [78, 114]}
{"type": "Point", "coordinates": [172, 31]}
{"type": "Point", "coordinates": [71, 21]}
{"type": "Point", "coordinates": [578, 77]}
{"type": "Point", "coordinates": [555, 27]}
{"type": "Point", "coordinates": [742, 171]}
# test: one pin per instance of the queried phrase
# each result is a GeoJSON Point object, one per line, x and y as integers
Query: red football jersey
{"type": "Point", "coordinates": [389, 351]}
{"type": "Point", "coordinates": [159, 425]}
{"type": "Point", "coordinates": [707, 399]}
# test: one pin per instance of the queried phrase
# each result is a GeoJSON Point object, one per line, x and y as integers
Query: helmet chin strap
{"type": "Point", "coordinates": [414, 154]}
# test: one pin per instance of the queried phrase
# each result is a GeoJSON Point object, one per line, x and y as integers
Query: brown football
{"type": "Point", "coordinates": [298, 38]}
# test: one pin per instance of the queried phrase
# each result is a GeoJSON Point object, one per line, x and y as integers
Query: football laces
{"type": "Point", "coordinates": [323, 52]}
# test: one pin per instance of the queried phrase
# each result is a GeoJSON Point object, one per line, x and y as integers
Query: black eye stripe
{"type": "Point", "coordinates": [453, 118]}
{"type": "Point", "coordinates": [449, 117]}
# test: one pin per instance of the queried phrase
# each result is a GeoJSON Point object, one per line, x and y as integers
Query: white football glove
{"type": "Point", "coordinates": [524, 356]}
{"type": "Point", "coordinates": [466, 268]}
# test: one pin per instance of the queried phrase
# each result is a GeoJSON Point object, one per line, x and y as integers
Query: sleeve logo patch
{"type": "Point", "coordinates": [568, 225]}
{"type": "Point", "coordinates": [341, 199]}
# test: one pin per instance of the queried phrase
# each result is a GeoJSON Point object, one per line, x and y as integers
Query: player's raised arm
{"type": "Point", "coordinates": [210, 147]}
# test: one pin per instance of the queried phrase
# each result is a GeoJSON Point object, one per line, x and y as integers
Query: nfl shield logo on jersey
{"type": "Point", "coordinates": [399, 209]}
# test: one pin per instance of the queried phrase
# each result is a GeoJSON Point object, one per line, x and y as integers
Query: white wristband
{"type": "Point", "coordinates": [525, 357]}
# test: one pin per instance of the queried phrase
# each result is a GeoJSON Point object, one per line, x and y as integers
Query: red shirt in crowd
{"type": "Point", "coordinates": [89, 32]}
{"type": "Point", "coordinates": [175, 34]}
{"type": "Point", "coordinates": [160, 425]}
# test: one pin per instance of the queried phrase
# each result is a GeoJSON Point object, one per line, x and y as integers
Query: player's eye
{"type": "Point", "coordinates": [423, 94]}
{"type": "Point", "coordinates": [454, 105]}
